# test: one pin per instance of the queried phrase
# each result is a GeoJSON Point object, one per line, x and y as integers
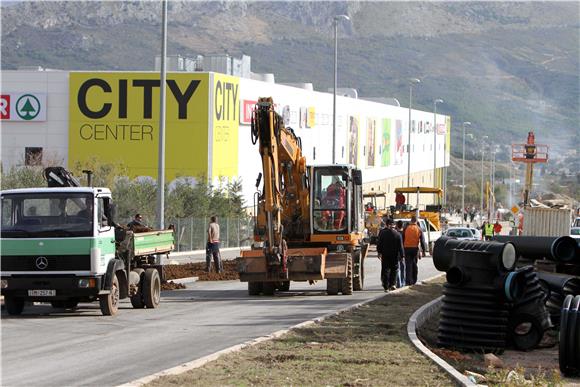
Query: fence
{"type": "Point", "coordinates": [191, 233]}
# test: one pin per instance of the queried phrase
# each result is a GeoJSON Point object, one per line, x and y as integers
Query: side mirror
{"type": "Point", "coordinates": [357, 176]}
{"type": "Point", "coordinates": [112, 213]}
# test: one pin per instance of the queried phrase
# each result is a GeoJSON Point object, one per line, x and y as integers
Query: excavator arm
{"type": "Point", "coordinates": [285, 198]}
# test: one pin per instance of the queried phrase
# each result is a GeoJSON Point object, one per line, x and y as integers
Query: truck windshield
{"type": "Point", "coordinates": [47, 215]}
{"type": "Point", "coordinates": [330, 201]}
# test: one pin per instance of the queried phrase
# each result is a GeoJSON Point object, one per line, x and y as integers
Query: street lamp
{"type": "Point", "coordinates": [336, 19]}
{"type": "Point", "coordinates": [161, 154]}
{"type": "Point", "coordinates": [466, 123]}
{"type": "Point", "coordinates": [412, 81]}
{"type": "Point", "coordinates": [438, 100]}
{"type": "Point", "coordinates": [482, 155]}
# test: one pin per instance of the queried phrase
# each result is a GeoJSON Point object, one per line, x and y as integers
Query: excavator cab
{"type": "Point", "coordinates": [337, 205]}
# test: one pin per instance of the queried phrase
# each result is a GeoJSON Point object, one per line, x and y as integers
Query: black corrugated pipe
{"type": "Point", "coordinates": [569, 350]}
{"type": "Point", "coordinates": [445, 249]}
{"type": "Point", "coordinates": [560, 283]}
{"type": "Point", "coordinates": [561, 249]}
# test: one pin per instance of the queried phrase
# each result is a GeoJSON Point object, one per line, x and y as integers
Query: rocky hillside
{"type": "Point", "coordinates": [506, 67]}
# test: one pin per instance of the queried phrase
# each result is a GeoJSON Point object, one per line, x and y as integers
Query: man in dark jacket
{"type": "Point", "coordinates": [389, 248]}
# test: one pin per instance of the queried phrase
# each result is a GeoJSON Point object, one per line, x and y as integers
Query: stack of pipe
{"type": "Point", "coordinates": [480, 284]}
{"type": "Point", "coordinates": [529, 318]}
{"type": "Point", "coordinates": [569, 350]}
{"type": "Point", "coordinates": [559, 286]}
{"type": "Point", "coordinates": [560, 249]}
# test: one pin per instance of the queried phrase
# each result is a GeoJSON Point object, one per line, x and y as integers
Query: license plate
{"type": "Point", "coordinates": [42, 293]}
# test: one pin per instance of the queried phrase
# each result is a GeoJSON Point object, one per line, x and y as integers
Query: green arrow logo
{"type": "Point", "coordinates": [27, 107]}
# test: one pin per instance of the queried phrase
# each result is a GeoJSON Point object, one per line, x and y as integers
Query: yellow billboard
{"type": "Point", "coordinates": [115, 117]}
{"type": "Point", "coordinates": [225, 120]}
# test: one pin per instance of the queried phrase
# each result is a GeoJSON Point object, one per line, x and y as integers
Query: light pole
{"type": "Point", "coordinates": [161, 155]}
{"type": "Point", "coordinates": [412, 81]}
{"type": "Point", "coordinates": [482, 155]}
{"type": "Point", "coordinates": [435, 102]}
{"type": "Point", "coordinates": [336, 19]}
{"type": "Point", "coordinates": [466, 123]}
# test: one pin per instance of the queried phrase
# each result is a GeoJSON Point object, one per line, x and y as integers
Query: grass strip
{"type": "Point", "coordinates": [367, 346]}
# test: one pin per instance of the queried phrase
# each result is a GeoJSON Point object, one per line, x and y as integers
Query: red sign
{"type": "Point", "coordinates": [247, 108]}
{"type": "Point", "coordinates": [4, 107]}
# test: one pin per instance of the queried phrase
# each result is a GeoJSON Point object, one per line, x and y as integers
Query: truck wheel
{"type": "Point", "coordinates": [137, 298]}
{"type": "Point", "coordinates": [284, 286]}
{"type": "Point", "coordinates": [359, 271]}
{"type": "Point", "coordinates": [347, 282]}
{"type": "Point", "coordinates": [152, 288]}
{"type": "Point", "coordinates": [14, 306]}
{"type": "Point", "coordinates": [254, 288]}
{"type": "Point", "coordinates": [268, 288]}
{"type": "Point", "coordinates": [110, 302]}
{"type": "Point", "coordinates": [333, 286]}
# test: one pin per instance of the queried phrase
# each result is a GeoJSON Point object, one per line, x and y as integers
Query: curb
{"type": "Point", "coordinates": [193, 252]}
{"type": "Point", "coordinates": [416, 320]}
{"type": "Point", "coordinates": [236, 348]}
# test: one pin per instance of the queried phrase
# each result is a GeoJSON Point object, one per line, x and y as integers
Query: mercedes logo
{"type": "Point", "coordinates": [41, 263]}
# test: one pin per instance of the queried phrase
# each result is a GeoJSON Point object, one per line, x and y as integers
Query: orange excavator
{"type": "Point", "coordinates": [309, 220]}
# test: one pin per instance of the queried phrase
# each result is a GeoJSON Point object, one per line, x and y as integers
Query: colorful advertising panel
{"type": "Point", "coordinates": [311, 118]}
{"type": "Point", "coordinates": [371, 129]}
{"type": "Point", "coordinates": [23, 106]}
{"type": "Point", "coordinates": [115, 117]}
{"type": "Point", "coordinates": [353, 140]}
{"type": "Point", "coordinates": [399, 146]}
{"type": "Point", "coordinates": [225, 120]}
{"type": "Point", "coordinates": [386, 143]}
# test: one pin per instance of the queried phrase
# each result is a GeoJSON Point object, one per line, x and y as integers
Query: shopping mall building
{"type": "Point", "coordinates": [69, 116]}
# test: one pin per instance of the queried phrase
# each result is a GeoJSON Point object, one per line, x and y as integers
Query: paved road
{"type": "Point", "coordinates": [42, 348]}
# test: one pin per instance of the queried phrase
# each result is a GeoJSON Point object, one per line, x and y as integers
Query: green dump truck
{"type": "Point", "coordinates": [61, 245]}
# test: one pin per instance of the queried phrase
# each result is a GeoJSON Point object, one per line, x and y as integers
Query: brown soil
{"type": "Point", "coordinates": [171, 286]}
{"type": "Point", "coordinates": [198, 270]}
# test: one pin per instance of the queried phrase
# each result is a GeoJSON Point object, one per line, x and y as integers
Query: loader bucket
{"type": "Point", "coordinates": [302, 264]}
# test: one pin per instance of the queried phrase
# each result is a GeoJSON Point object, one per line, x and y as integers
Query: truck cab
{"type": "Point", "coordinates": [61, 245]}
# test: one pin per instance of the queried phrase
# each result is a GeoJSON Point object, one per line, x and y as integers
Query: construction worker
{"type": "Point", "coordinates": [389, 249]}
{"type": "Point", "coordinates": [488, 231]}
{"type": "Point", "coordinates": [496, 228]}
{"type": "Point", "coordinates": [412, 239]}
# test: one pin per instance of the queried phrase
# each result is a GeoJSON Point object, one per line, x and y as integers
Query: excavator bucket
{"type": "Point", "coordinates": [302, 264]}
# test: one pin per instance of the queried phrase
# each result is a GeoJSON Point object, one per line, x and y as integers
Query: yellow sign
{"type": "Point", "coordinates": [311, 118]}
{"type": "Point", "coordinates": [225, 118]}
{"type": "Point", "coordinates": [115, 117]}
{"type": "Point", "coordinates": [515, 209]}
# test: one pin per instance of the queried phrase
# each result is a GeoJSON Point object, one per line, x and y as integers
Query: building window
{"type": "Point", "coordinates": [32, 156]}
{"type": "Point", "coordinates": [314, 153]}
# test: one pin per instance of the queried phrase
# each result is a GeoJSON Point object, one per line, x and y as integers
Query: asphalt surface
{"type": "Point", "coordinates": [82, 347]}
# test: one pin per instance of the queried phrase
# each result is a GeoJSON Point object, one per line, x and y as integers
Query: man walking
{"type": "Point", "coordinates": [412, 238]}
{"type": "Point", "coordinates": [401, 272]}
{"type": "Point", "coordinates": [389, 248]}
{"type": "Point", "coordinates": [213, 246]}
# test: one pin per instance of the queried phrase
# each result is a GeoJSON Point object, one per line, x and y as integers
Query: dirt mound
{"type": "Point", "coordinates": [171, 286]}
{"type": "Point", "coordinates": [198, 270]}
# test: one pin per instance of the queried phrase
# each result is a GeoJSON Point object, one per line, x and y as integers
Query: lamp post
{"type": "Point", "coordinates": [466, 123]}
{"type": "Point", "coordinates": [412, 81]}
{"type": "Point", "coordinates": [435, 102]}
{"type": "Point", "coordinates": [482, 155]}
{"type": "Point", "coordinates": [336, 19]}
{"type": "Point", "coordinates": [161, 155]}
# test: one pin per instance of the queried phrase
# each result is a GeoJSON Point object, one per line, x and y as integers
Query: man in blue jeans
{"type": "Point", "coordinates": [213, 246]}
{"type": "Point", "coordinates": [401, 272]}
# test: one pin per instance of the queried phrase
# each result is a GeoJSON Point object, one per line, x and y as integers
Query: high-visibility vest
{"type": "Point", "coordinates": [489, 229]}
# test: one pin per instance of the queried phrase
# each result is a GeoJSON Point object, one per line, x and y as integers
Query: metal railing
{"type": "Point", "coordinates": [191, 233]}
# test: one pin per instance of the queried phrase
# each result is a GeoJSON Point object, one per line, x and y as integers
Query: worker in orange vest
{"type": "Point", "coordinates": [412, 239]}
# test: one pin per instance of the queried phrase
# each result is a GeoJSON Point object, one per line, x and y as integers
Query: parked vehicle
{"type": "Point", "coordinates": [575, 232]}
{"type": "Point", "coordinates": [476, 233]}
{"type": "Point", "coordinates": [461, 233]}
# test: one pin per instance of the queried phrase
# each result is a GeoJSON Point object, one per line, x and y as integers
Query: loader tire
{"type": "Point", "coordinates": [109, 303]}
{"type": "Point", "coordinates": [333, 286]}
{"type": "Point", "coordinates": [268, 288]}
{"type": "Point", "coordinates": [14, 306]}
{"type": "Point", "coordinates": [151, 288]}
{"type": "Point", "coordinates": [359, 273]}
{"type": "Point", "coordinates": [347, 287]}
{"type": "Point", "coordinates": [254, 288]}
